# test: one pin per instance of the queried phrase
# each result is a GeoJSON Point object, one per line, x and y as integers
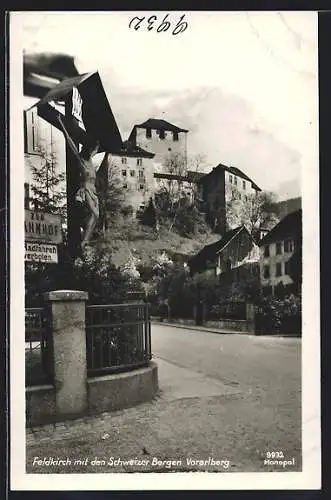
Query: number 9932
{"type": "Point", "coordinates": [275, 454]}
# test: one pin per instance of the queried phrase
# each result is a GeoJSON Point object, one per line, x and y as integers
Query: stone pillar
{"type": "Point", "coordinates": [250, 317]}
{"type": "Point", "coordinates": [69, 350]}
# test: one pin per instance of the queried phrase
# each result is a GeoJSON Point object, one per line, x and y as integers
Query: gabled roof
{"type": "Point", "coordinates": [159, 124]}
{"type": "Point", "coordinates": [42, 71]}
{"type": "Point", "coordinates": [235, 171]}
{"type": "Point", "coordinates": [216, 248]}
{"type": "Point", "coordinates": [290, 226]}
{"type": "Point", "coordinates": [97, 114]}
{"type": "Point", "coordinates": [210, 251]}
{"type": "Point", "coordinates": [60, 91]}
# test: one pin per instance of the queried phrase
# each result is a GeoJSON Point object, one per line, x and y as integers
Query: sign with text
{"type": "Point", "coordinates": [41, 226]}
{"type": "Point", "coordinates": [40, 252]}
{"type": "Point", "coordinates": [77, 104]}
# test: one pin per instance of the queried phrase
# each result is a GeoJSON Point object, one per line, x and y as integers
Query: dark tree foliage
{"type": "Point", "coordinates": [94, 273]}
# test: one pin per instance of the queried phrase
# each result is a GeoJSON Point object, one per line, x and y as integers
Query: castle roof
{"type": "Point", "coordinates": [235, 171]}
{"type": "Point", "coordinates": [289, 226]}
{"type": "Point", "coordinates": [160, 124]}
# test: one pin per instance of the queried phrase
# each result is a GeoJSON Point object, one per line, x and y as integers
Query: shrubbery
{"type": "Point", "coordinates": [275, 315]}
{"type": "Point", "coordinates": [94, 273]}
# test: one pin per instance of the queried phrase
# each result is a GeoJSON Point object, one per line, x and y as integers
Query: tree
{"type": "Point", "coordinates": [149, 216]}
{"type": "Point", "coordinates": [48, 186]}
{"type": "Point", "coordinates": [175, 165]}
{"type": "Point", "coordinates": [255, 210]}
{"type": "Point", "coordinates": [176, 201]}
{"type": "Point", "coordinates": [111, 195]}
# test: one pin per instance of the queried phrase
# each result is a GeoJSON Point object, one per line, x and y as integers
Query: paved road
{"type": "Point", "coordinates": [268, 368]}
{"type": "Point", "coordinates": [265, 370]}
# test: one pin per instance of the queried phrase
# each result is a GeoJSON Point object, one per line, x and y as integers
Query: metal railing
{"type": "Point", "coordinates": [118, 337]}
{"type": "Point", "coordinates": [38, 347]}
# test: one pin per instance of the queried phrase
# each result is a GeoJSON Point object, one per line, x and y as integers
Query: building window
{"type": "Point", "coordinates": [266, 251]}
{"type": "Point", "coordinates": [278, 248]}
{"type": "Point", "coordinates": [244, 185]}
{"type": "Point", "coordinates": [25, 132]}
{"type": "Point", "coordinates": [125, 186]}
{"type": "Point", "coordinates": [278, 269]}
{"type": "Point", "coordinates": [132, 173]}
{"type": "Point", "coordinates": [141, 186]}
{"type": "Point", "coordinates": [148, 133]}
{"type": "Point", "coordinates": [287, 267]}
{"type": "Point", "coordinates": [266, 272]}
{"type": "Point", "coordinates": [124, 160]}
{"type": "Point", "coordinates": [175, 136]}
{"type": "Point", "coordinates": [139, 162]}
{"type": "Point", "coordinates": [124, 173]}
{"type": "Point", "coordinates": [26, 196]}
{"type": "Point", "coordinates": [162, 134]}
{"type": "Point", "coordinates": [141, 173]}
{"type": "Point", "coordinates": [230, 179]}
{"type": "Point", "coordinates": [288, 246]}
{"type": "Point", "coordinates": [235, 180]}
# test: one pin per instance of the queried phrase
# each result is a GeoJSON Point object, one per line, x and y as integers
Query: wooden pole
{"type": "Point", "coordinates": [72, 177]}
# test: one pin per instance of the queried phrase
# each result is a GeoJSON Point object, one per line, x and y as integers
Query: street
{"type": "Point", "coordinates": [232, 401]}
{"type": "Point", "coordinates": [266, 368]}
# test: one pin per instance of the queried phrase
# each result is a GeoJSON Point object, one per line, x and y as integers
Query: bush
{"type": "Point", "coordinates": [94, 273]}
{"type": "Point", "coordinates": [275, 315]}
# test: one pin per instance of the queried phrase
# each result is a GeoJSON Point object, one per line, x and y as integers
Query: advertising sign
{"type": "Point", "coordinates": [40, 252]}
{"type": "Point", "coordinates": [41, 226]}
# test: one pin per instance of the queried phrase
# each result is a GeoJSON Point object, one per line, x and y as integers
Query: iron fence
{"type": "Point", "coordinates": [118, 337]}
{"type": "Point", "coordinates": [38, 347]}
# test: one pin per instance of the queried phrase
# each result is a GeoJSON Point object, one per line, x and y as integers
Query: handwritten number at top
{"type": "Point", "coordinates": [152, 23]}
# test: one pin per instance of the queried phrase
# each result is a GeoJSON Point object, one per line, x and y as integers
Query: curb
{"type": "Point", "coordinates": [202, 329]}
{"type": "Point", "coordinates": [226, 332]}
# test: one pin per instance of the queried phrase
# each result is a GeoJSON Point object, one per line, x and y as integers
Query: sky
{"type": "Point", "coordinates": [243, 83]}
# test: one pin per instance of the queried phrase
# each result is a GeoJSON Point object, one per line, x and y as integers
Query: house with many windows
{"type": "Point", "coordinates": [42, 142]}
{"type": "Point", "coordinates": [132, 169]}
{"type": "Point", "coordinates": [279, 251]}
{"type": "Point", "coordinates": [216, 189]}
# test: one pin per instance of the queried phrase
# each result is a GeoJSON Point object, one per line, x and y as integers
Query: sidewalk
{"type": "Point", "coordinates": [193, 418]}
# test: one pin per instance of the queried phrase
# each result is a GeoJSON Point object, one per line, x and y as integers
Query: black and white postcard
{"type": "Point", "coordinates": [164, 199]}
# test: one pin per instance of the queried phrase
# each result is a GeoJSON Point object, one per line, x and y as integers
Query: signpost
{"type": "Point", "coordinates": [77, 105]}
{"type": "Point", "coordinates": [41, 226]}
{"type": "Point", "coordinates": [42, 235]}
{"type": "Point", "coordinates": [40, 252]}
